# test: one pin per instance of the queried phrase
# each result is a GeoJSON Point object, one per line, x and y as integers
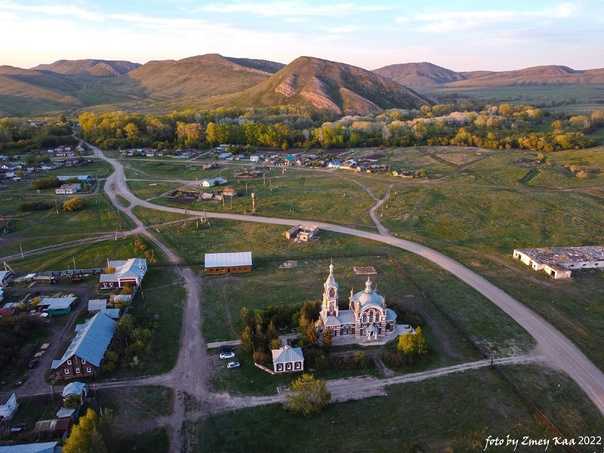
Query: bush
{"type": "Point", "coordinates": [50, 182]}
{"type": "Point", "coordinates": [73, 204]}
{"type": "Point", "coordinates": [35, 206]}
{"type": "Point", "coordinates": [308, 395]}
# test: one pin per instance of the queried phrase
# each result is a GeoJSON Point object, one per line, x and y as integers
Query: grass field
{"type": "Point", "coordinates": [160, 305]}
{"type": "Point", "coordinates": [299, 194]}
{"type": "Point", "coordinates": [86, 256]}
{"type": "Point", "coordinates": [41, 228]}
{"type": "Point", "coordinates": [155, 217]}
{"type": "Point", "coordinates": [403, 278]}
{"type": "Point", "coordinates": [485, 211]}
{"type": "Point", "coordinates": [574, 98]}
{"type": "Point", "coordinates": [452, 413]}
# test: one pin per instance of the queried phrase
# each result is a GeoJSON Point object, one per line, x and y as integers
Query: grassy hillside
{"type": "Point", "coordinates": [327, 85]}
{"type": "Point", "coordinates": [198, 77]}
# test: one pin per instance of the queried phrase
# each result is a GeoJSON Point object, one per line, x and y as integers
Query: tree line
{"type": "Point", "coordinates": [502, 126]}
{"type": "Point", "coordinates": [20, 134]}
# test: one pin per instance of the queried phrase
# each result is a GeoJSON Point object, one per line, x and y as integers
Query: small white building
{"type": "Point", "coordinates": [68, 189]}
{"type": "Point", "coordinates": [560, 262]}
{"type": "Point", "coordinates": [288, 359]}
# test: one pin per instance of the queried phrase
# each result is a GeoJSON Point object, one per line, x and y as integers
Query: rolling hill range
{"type": "Point", "coordinates": [95, 68]}
{"type": "Point", "coordinates": [426, 76]}
{"type": "Point", "coordinates": [327, 85]}
{"type": "Point", "coordinates": [213, 80]}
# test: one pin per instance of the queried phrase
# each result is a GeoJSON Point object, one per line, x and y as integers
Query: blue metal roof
{"type": "Point", "coordinates": [38, 447]}
{"type": "Point", "coordinates": [91, 341]}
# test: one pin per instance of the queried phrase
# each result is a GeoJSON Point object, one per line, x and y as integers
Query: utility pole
{"type": "Point", "coordinates": [21, 247]}
{"type": "Point", "coordinates": [253, 202]}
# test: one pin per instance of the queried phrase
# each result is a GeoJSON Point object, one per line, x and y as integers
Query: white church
{"type": "Point", "coordinates": [367, 318]}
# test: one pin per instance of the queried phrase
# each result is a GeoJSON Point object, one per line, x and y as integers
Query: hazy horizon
{"type": "Point", "coordinates": [466, 36]}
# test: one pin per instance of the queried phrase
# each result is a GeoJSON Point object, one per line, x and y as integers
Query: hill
{"type": "Point", "coordinates": [327, 85]}
{"type": "Point", "coordinates": [537, 75]}
{"type": "Point", "coordinates": [91, 67]}
{"type": "Point", "coordinates": [25, 91]}
{"type": "Point", "coordinates": [425, 76]}
{"type": "Point", "coordinates": [419, 75]}
{"type": "Point", "coordinates": [201, 76]}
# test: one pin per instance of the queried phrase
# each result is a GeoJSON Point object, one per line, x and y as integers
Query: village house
{"type": "Point", "coordinates": [287, 359]}
{"type": "Point", "coordinates": [223, 263]}
{"type": "Point", "coordinates": [85, 353]}
{"type": "Point", "coordinates": [367, 318]}
{"type": "Point", "coordinates": [560, 262]}
{"type": "Point", "coordinates": [124, 273]}
{"type": "Point", "coordinates": [68, 189]}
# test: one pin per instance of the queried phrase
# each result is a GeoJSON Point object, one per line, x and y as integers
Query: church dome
{"type": "Point", "coordinates": [368, 296]}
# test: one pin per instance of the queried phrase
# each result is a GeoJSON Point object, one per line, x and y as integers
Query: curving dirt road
{"type": "Point", "coordinates": [558, 350]}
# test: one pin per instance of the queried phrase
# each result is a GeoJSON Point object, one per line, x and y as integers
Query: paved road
{"type": "Point", "coordinates": [558, 350]}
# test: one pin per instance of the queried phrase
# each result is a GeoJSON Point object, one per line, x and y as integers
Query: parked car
{"type": "Point", "coordinates": [227, 354]}
{"type": "Point", "coordinates": [233, 365]}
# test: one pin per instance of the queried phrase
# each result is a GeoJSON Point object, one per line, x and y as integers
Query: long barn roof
{"type": "Point", "coordinates": [228, 259]}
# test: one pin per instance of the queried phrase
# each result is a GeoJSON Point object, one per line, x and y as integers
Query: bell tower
{"type": "Point", "coordinates": [329, 306]}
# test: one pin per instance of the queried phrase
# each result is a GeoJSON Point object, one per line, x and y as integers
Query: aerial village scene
{"type": "Point", "coordinates": [225, 254]}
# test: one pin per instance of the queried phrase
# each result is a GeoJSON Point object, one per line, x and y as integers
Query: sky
{"type": "Point", "coordinates": [460, 35]}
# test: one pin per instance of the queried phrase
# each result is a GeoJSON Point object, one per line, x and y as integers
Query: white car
{"type": "Point", "coordinates": [227, 354]}
{"type": "Point", "coordinates": [233, 365]}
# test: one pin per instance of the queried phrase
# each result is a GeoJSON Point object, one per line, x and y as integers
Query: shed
{"type": "Point", "coordinates": [222, 263]}
{"type": "Point", "coordinates": [58, 306]}
{"type": "Point", "coordinates": [57, 427]}
{"type": "Point", "coordinates": [95, 305]}
{"type": "Point", "coordinates": [76, 388]}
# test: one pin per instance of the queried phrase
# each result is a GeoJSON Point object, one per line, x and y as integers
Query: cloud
{"type": "Point", "coordinates": [292, 9]}
{"type": "Point", "coordinates": [65, 10]}
{"type": "Point", "coordinates": [450, 21]}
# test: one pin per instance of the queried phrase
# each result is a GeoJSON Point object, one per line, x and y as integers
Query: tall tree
{"type": "Point", "coordinates": [308, 395]}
